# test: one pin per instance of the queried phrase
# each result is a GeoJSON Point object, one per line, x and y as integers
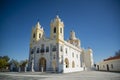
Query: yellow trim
{"type": "Point", "coordinates": [59, 40]}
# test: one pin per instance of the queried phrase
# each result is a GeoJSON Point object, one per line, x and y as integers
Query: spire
{"type": "Point", "coordinates": [57, 16]}
{"type": "Point", "coordinates": [57, 19]}
{"type": "Point", "coordinates": [38, 26]}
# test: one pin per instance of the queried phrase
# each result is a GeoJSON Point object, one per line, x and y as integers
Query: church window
{"type": "Point", "coordinates": [34, 35]}
{"type": "Point", "coordinates": [39, 35]}
{"type": "Point", "coordinates": [42, 48]}
{"type": "Point", "coordinates": [37, 50]}
{"type": "Point", "coordinates": [66, 50]}
{"type": "Point", "coordinates": [66, 63]}
{"type": "Point", "coordinates": [32, 51]}
{"type": "Point", "coordinates": [61, 49]}
{"type": "Point", "coordinates": [47, 49]}
{"type": "Point", "coordinates": [72, 54]}
{"type": "Point", "coordinates": [54, 29]}
{"type": "Point", "coordinates": [73, 64]}
{"type": "Point", "coordinates": [54, 48]}
{"type": "Point", "coordinates": [60, 30]}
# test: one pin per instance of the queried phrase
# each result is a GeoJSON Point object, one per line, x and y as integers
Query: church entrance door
{"type": "Point", "coordinates": [107, 67]}
{"type": "Point", "coordinates": [42, 64]}
{"type": "Point", "coordinates": [97, 67]}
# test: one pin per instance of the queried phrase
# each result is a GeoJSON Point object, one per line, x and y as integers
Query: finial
{"type": "Point", "coordinates": [57, 16]}
{"type": "Point", "coordinates": [38, 25]}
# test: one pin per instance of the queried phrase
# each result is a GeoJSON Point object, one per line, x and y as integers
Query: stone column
{"type": "Point", "coordinates": [32, 66]}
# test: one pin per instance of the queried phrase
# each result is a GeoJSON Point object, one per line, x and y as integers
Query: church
{"type": "Point", "coordinates": [54, 53]}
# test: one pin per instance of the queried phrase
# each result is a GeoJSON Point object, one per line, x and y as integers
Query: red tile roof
{"type": "Point", "coordinates": [112, 58]}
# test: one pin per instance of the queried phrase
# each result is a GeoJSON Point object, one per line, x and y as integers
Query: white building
{"type": "Point", "coordinates": [110, 64]}
{"type": "Point", "coordinates": [56, 54]}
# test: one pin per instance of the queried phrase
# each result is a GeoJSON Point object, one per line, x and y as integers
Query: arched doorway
{"type": "Point", "coordinates": [42, 64]}
{"type": "Point", "coordinates": [107, 67]}
{"type": "Point", "coordinates": [97, 67]}
{"type": "Point", "coordinates": [66, 63]}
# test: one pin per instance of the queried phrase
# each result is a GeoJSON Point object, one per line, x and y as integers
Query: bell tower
{"type": "Point", "coordinates": [73, 40]}
{"type": "Point", "coordinates": [37, 33]}
{"type": "Point", "coordinates": [57, 29]}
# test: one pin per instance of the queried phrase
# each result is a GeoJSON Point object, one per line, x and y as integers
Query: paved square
{"type": "Point", "coordinates": [84, 75]}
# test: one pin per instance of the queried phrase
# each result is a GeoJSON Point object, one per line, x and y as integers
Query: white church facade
{"type": "Point", "coordinates": [55, 54]}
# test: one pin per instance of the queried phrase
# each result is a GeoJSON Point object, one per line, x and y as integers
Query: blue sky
{"type": "Point", "coordinates": [96, 23]}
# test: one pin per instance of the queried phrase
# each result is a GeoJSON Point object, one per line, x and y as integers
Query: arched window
{"type": "Point", "coordinates": [32, 51]}
{"type": "Point", "coordinates": [73, 64]}
{"type": "Point", "coordinates": [72, 54]}
{"type": "Point", "coordinates": [47, 49]}
{"type": "Point", "coordinates": [37, 50]}
{"type": "Point", "coordinates": [54, 48]}
{"type": "Point", "coordinates": [34, 35]}
{"type": "Point", "coordinates": [60, 30]}
{"type": "Point", "coordinates": [66, 50]}
{"type": "Point", "coordinates": [54, 29]}
{"type": "Point", "coordinates": [42, 48]}
{"type": "Point", "coordinates": [39, 35]}
{"type": "Point", "coordinates": [61, 49]}
{"type": "Point", "coordinates": [66, 63]}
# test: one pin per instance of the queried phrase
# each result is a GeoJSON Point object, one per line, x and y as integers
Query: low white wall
{"type": "Point", "coordinates": [67, 70]}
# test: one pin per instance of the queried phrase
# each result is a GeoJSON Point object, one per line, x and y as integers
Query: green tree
{"type": "Point", "coordinates": [4, 62]}
{"type": "Point", "coordinates": [23, 63]}
{"type": "Point", "coordinates": [6, 58]}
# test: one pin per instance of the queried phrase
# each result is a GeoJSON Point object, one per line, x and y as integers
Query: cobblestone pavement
{"type": "Point", "coordinates": [84, 75]}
